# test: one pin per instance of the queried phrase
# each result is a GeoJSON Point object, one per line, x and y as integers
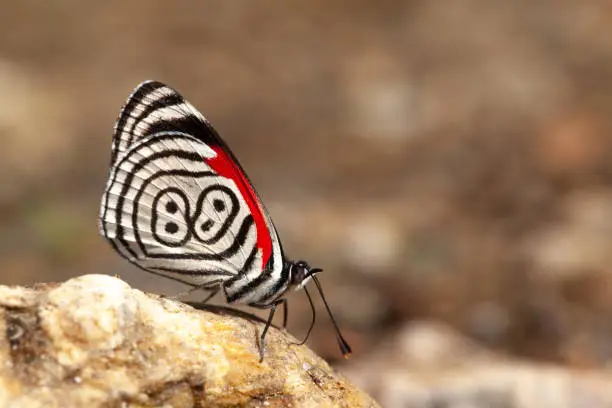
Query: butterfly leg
{"type": "Point", "coordinates": [212, 294]}
{"type": "Point", "coordinates": [262, 338]}
{"type": "Point", "coordinates": [213, 291]}
{"type": "Point", "coordinates": [184, 293]}
{"type": "Point", "coordinates": [285, 314]}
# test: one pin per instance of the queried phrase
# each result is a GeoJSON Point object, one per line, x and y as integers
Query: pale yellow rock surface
{"type": "Point", "coordinates": [93, 341]}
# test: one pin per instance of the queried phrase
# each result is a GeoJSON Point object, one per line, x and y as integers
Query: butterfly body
{"type": "Point", "coordinates": [178, 204]}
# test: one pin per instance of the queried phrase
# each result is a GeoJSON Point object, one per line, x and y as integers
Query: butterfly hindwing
{"type": "Point", "coordinates": [179, 204]}
{"type": "Point", "coordinates": [166, 210]}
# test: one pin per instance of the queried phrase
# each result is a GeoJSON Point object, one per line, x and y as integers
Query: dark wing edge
{"type": "Point", "coordinates": [154, 107]}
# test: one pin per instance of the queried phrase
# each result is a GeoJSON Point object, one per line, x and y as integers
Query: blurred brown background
{"type": "Point", "coordinates": [449, 164]}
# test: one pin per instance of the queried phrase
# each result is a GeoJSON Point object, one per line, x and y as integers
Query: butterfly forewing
{"type": "Point", "coordinates": [178, 203]}
{"type": "Point", "coordinates": [154, 107]}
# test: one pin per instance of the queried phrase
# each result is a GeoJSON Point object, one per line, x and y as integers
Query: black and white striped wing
{"type": "Point", "coordinates": [154, 107]}
{"type": "Point", "coordinates": [178, 204]}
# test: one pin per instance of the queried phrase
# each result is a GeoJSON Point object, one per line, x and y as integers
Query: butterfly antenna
{"type": "Point", "coordinates": [314, 317]}
{"type": "Point", "coordinates": [344, 347]}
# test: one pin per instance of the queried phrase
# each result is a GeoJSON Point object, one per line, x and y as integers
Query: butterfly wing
{"type": "Point", "coordinates": [154, 107]}
{"type": "Point", "coordinates": [178, 203]}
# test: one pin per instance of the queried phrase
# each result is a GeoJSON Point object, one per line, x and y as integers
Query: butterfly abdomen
{"type": "Point", "coordinates": [258, 288]}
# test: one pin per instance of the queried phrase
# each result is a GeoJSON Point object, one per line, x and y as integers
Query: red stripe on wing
{"type": "Point", "coordinates": [223, 165]}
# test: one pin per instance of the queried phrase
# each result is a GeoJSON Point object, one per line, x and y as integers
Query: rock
{"type": "Point", "coordinates": [94, 341]}
{"type": "Point", "coordinates": [429, 365]}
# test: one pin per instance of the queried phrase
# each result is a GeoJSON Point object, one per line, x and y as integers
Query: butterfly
{"type": "Point", "coordinates": [178, 204]}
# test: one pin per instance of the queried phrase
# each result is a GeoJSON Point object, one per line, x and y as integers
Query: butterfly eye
{"type": "Point", "coordinates": [168, 218]}
{"type": "Point", "coordinates": [215, 212]}
{"type": "Point", "coordinates": [299, 272]}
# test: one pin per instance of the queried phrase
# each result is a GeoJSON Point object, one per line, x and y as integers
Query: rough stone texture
{"type": "Point", "coordinates": [95, 342]}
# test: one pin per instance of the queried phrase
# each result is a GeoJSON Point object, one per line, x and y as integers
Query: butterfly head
{"type": "Point", "coordinates": [301, 273]}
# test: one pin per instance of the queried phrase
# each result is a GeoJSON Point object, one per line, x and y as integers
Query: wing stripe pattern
{"type": "Point", "coordinates": [138, 189]}
{"type": "Point", "coordinates": [124, 135]}
{"type": "Point", "coordinates": [223, 165]}
{"type": "Point", "coordinates": [179, 205]}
